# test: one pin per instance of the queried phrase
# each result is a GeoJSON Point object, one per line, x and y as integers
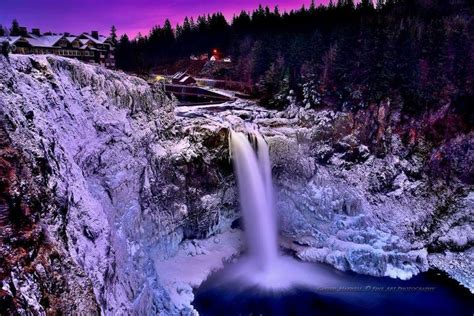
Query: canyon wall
{"type": "Point", "coordinates": [362, 192]}
{"type": "Point", "coordinates": [101, 178]}
{"type": "Point", "coordinates": [98, 181]}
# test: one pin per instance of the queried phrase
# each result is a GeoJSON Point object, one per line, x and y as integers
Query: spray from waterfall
{"type": "Point", "coordinates": [263, 266]}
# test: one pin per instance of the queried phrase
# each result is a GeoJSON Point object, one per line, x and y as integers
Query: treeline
{"type": "Point", "coordinates": [420, 51]}
{"type": "Point", "coordinates": [14, 30]}
{"type": "Point", "coordinates": [165, 44]}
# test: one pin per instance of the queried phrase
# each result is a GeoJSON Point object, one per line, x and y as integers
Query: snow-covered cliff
{"type": "Point", "coordinates": [114, 200]}
{"type": "Point", "coordinates": [376, 196]}
{"type": "Point", "coordinates": [122, 184]}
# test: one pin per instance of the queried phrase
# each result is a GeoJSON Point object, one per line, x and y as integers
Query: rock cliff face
{"type": "Point", "coordinates": [105, 186]}
{"type": "Point", "coordinates": [105, 182]}
{"type": "Point", "coordinates": [376, 196]}
{"type": "Point", "coordinates": [36, 272]}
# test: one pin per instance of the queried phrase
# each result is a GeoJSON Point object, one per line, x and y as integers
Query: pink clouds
{"type": "Point", "coordinates": [129, 16]}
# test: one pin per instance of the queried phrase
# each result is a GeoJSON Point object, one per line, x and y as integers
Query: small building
{"type": "Point", "coordinates": [91, 48]}
{"type": "Point", "coordinates": [177, 76]}
{"type": "Point", "coordinates": [183, 78]}
{"type": "Point", "coordinates": [187, 80]}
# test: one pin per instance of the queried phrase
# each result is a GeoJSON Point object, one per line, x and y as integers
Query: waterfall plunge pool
{"type": "Point", "coordinates": [429, 293]}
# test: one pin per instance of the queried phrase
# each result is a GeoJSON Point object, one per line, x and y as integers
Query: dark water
{"type": "Point", "coordinates": [430, 293]}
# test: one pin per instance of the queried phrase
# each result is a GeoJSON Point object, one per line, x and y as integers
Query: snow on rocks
{"type": "Point", "coordinates": [149, 195]}
{"type": "Point", "coordinates": [194, 262]}
{"type": "Point", "coordinates": [457, 264]}
{"type": "Point", "coordinates": [104, 142]}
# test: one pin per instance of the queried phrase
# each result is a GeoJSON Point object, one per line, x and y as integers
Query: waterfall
{"type": "Point", "coordinates": [252, 165]}
{"type": "Point", "coordinates": [263, 266]}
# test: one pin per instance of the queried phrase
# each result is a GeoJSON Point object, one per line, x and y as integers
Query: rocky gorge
{"type": "Point", "coordinates": [113, 200]}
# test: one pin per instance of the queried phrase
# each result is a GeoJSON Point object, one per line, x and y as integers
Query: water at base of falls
{"type": "Point", "coordinates": [429, 293]}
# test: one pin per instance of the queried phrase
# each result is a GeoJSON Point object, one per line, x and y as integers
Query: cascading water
{"type": "Point", "coordinates": [252, 166]}
{"type": "Point", "coordinates": [263, 266]}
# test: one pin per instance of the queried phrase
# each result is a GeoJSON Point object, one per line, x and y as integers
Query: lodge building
{"type": "Point", "coordinates": [90, 48]}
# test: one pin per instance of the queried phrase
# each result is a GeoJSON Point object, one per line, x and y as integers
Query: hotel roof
{"type": "Point", "coordinates": [100, 40]}
{"type": "Point", "coordinates": [50, 40]}
{"type": "Point", "coordinates": [44, 41]}
{"type": "Point", "coordinates": [11, 39]}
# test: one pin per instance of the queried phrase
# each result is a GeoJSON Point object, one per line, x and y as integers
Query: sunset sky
{"type": "Point", "coordinates": [129, 16]}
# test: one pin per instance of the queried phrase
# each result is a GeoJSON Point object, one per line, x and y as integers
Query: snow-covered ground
{"type": "Point", "coordinates": [194, 262]}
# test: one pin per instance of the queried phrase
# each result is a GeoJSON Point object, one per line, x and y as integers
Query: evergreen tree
{"type": "Point", "coordinates": [274, 85]}
{"type": "Point", "coordinates": [380, 4]}
{"type": "Point", "coordinates": [123, 54]}
{"type": "Point", "coordinates": [6, 49]}
{"type": "Point", "coordinates": [366, 5]}
{"type": "Point", "coordinates": [312, 8]}
{"type": "Point", "coordinates": [15, 28]}
{"type": "Point", "coordinates": [186, 26]}
{"type": "Point", "coordinates": [113, 34]}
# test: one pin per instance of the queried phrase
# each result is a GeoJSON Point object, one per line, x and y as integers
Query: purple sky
{"type": "Point", "coordinates": [129, 16]}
